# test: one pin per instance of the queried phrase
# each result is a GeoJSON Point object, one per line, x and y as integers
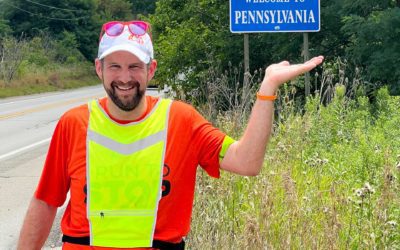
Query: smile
{"type": "Point", "coordinates": [125, 88]}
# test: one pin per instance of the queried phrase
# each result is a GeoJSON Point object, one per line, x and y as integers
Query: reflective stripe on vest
{"type": "Point", "coordinates": [124, 174]}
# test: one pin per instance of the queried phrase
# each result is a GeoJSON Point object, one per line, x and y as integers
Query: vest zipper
{"type": "Point", "coordinates": [106, 213]}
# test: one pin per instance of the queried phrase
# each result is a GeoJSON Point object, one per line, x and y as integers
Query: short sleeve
{"type": "Point", "coordinates": [225, 145]}
{"type": "Point", "coordinates": [211, 142]}
{"type": "Point", "coordinates": [53, 185]}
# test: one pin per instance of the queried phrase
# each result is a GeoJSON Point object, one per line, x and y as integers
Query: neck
{"type": "Point", "coordinates": [132, 115]}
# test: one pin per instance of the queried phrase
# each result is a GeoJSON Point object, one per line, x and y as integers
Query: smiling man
{"type": "Point", "coordinates": [129, 94]}
{"type": "Point", "coordinates": [129, 160]}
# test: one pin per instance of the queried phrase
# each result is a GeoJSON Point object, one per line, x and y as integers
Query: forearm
{"type": "Point", "coordinates": [245, 157]}
{"type": "Point", "coordinates": [37, 225]}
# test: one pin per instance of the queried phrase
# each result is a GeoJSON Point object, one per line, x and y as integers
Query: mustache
{"type": "Point", "coordinates": [130, 84]}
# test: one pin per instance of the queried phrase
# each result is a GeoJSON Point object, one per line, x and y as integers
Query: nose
{"type": "Point", "coordinates": [125, 76]}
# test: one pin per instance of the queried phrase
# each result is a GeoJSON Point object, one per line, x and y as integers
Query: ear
{"type": "Point", "coordinates": [99, 69]}
{"type": "Point", "coordinates": [152, 69]}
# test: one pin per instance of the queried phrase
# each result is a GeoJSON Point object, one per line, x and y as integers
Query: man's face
{"type": "Point", "coordinates": [125, 78]}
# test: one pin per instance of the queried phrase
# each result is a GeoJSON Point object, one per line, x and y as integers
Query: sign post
{"type": "Point", "coordinates": [306, 54]}
{"type": "Point", "coordinates": [246, 59]}
{"type": "Point", "coordinates": [253, 16]}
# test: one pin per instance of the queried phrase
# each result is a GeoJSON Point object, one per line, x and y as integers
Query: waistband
{"type": "Point", "coordinates": [162, 245]}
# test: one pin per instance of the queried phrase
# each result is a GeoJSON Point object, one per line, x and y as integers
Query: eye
{"type": "Point", "coordinates": [135, 67]}
{"type": "Point", "coordinates": [114, 66]}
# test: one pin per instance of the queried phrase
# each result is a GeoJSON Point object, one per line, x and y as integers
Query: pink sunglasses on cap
{"type": "Point", "coordinates": [115, 28]}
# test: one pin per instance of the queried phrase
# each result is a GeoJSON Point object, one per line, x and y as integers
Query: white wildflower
{"type": "Point", "coordinates": [368, 188]}
{"type": "Point", "coordinates": [360, 192]}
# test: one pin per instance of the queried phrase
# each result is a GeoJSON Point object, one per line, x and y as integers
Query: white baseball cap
{"type": "Point", "coordinates": [139, 45]}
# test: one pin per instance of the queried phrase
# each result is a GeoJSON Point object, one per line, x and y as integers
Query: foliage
{"type": "Point", "coordinates": [67, 49]}
{"type": "Point", "coordinates": [83, 18]}
{"type": "Point", "coordinates": [330, 178]}
{"type": "Point", "coordinates": [75, 16]}
{"type": "Point", "coordinates": [188, 33]}
{"type": "Point", "coordinates": [33, 79]}
{"type": "Point", "coordinates": [5, 28]}
{"type": "Point", "coordinates": [114, 10]}
{"type": "Point", "coordinates": [221, 92]}
{"type": "Point", "coordinates": [42, 64]}
{"type": "Point", "coordinates": [374, 44]}
{"type": "Point", "coordinates": [12, 53]}
{"type": "Point", "coordinates": [189, 36]}
{"type": "Point", "coordinates": [143, 7]}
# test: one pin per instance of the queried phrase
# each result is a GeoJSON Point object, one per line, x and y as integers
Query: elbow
{"type": "Point", "coordinates": [252, 168]}
{"type": "Point", "coordinates": [254, 172]}
{"type": "Point", "coordinates": [243, 169]}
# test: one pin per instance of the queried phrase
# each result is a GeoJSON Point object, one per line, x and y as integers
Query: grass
{"type": "Point", "coordinates": [39, 80]}
{"type": "Point", "coordinates": [331, 180]}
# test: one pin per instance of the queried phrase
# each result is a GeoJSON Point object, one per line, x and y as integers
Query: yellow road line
{"type": "Point", "coordinates": [45, 107]}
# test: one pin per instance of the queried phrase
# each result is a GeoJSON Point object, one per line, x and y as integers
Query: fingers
{"type": "Point", "coordinates": [309, 65]}
{"type": "Point", "coordinates": [295, 70]}
{"type": "Point", "coordinates": [284, 71]}
{"type": "Point", "coordinates": [316, 60]}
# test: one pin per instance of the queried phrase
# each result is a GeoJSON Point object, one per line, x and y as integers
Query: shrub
{"type": "Point", "coordinates": [330, 180]}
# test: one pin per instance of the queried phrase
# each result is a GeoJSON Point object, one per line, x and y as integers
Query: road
{"type": "Point", "coordinates": [26, 126]}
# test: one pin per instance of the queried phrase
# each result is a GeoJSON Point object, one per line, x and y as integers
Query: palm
{"type": "Point", "coordinates": [282, 72]}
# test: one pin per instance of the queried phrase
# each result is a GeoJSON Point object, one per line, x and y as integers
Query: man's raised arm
{"type": "Point", "coordinates": [246, 156]}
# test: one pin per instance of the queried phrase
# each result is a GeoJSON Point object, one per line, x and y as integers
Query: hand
{"type": "Point", "coordinates": [277, 74]}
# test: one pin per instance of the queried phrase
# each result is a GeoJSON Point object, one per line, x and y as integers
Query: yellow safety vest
{"type": "Point", "coordinates": [124, 176]}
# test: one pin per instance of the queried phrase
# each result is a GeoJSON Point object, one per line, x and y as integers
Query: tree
{"type": "Point", "coordinates": [12, 53]}
{"type": "Point", "coordinates": [143, 7]}
{"type": "Point", "coordinates": [83, 18]}
{"type": "Point", "coordinates": [5, 28]}
{"type": "Point", "coordinates": [373, 31]}
{"type": "Point", "coordinates": [189, 36]}
{"type": "Point", "coordinates": [114, 10]}
{"type": "Point", "coordinates": [55, 16]}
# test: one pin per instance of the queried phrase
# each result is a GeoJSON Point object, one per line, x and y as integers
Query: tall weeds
{"type": "Point", "coordinates": [330, 178]}
{"type": "Point", "coordinates": [42, 64]}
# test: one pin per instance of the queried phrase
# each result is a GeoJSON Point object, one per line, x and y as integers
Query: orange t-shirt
{"type": "Point", "coordinates": [191, 141]}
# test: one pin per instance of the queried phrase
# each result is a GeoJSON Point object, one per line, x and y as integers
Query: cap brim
{"type": "Point", "coordinates": [128, 48]}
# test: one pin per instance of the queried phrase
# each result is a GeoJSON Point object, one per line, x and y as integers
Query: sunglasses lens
{"type": "Point", "coordinates": [138, 28]}
{"type": "Point", "coordinates": [114, 28]}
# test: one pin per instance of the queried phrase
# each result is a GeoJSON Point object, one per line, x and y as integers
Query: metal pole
{"type": "Point", "coordinates": [246, 58]}
{"type": "Point", "coordinates": [246, 53]}
{"type": "Point", "coordinates": [306, 54]}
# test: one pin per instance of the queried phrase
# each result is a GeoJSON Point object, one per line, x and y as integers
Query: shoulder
{"type": "Point", "coordinates": [183, 112]}
{"type": "Point", "coordinates": [79, 114]}
{"type": "Point", "coordinates": [186, 115]}
{"type": "Point", "coordinates": [76, 112]}
{"type": "Point", "coordinates": [182, 108]}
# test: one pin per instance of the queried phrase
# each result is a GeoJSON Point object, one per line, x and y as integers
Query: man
{"type": "Point", "coordinates": [129, 160]}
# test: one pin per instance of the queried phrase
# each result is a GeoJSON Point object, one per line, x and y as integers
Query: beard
{"type": "Point", "coordinates": [125, 103]}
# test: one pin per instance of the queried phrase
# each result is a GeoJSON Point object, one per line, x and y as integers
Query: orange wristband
{"type": "Point", "coordinates": [266, 97]}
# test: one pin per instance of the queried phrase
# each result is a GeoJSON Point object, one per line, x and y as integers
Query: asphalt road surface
{"type": "Point", "coordinates": [26, 126]}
